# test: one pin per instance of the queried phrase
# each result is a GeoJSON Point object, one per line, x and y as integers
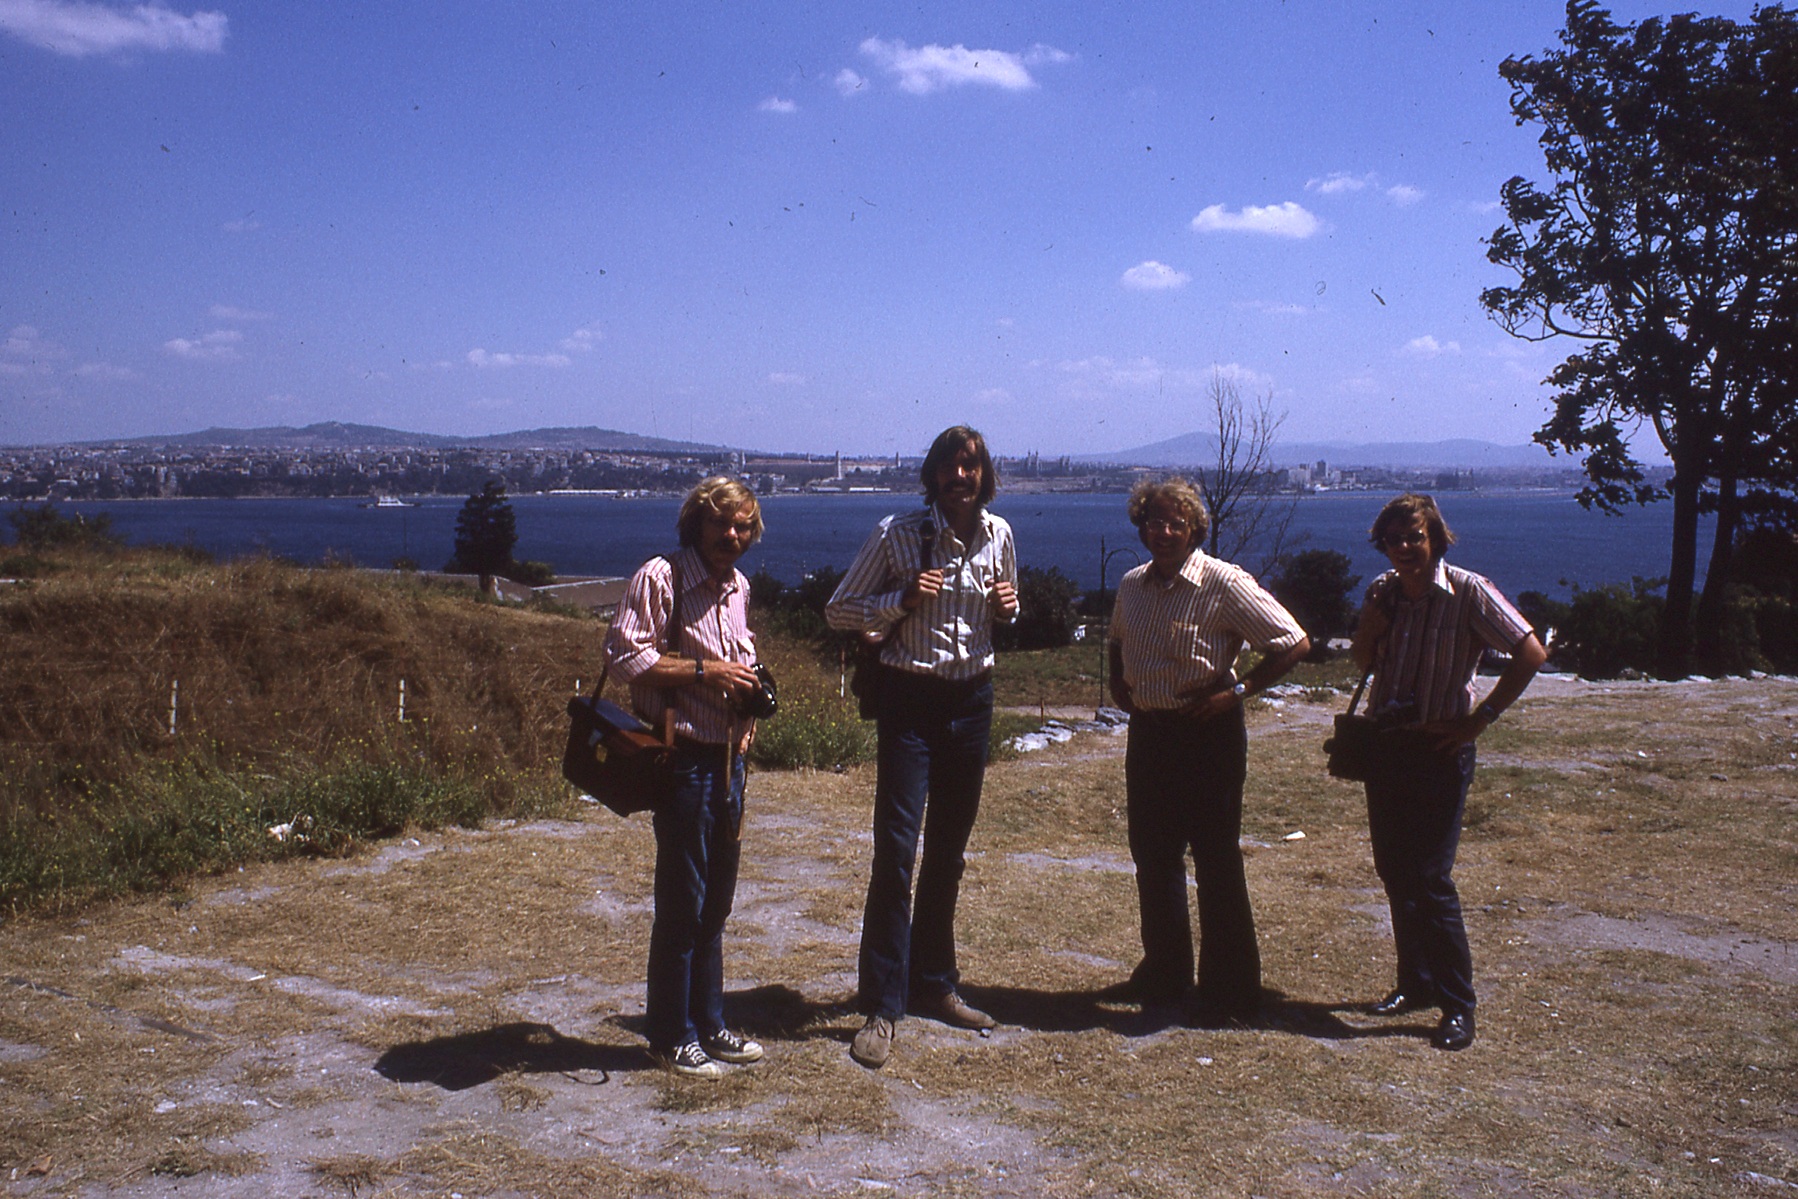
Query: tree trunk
{"type": "Point", "coordinates": [1709, 634]}
{"type": "Point", "coordinates": [1673, 651]}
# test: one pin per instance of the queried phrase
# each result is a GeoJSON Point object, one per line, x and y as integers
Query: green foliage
{"type": "Point", "coordinates": [486, 532]}
{"type": "Point", "coordinates": [1611, 629]}
{"type": "Point", "coordinates": [172, 820]}
{"type": "Point", "coordinates": [42, 528]}
{"type": "Point", "coordinates": [798, 610]}
{"type": "Point", "coordinates": [1664, 249]}
{"type": "Point", "coordinates": [1316, 586]}
{"type": "Point", "coordinates": [1046, 616]}
{"type": "Point", "coordinates": [817, 731]}
{"type": "Point", "coordinates": [531, 574]}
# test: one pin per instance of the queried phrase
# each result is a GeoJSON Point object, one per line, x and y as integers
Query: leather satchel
{"type": "Point", "coordinates": [615, 757]}
{"type": "Point", "coordinates": [1355, 748]}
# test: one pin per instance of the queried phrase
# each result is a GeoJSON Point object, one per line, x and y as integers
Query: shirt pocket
{"type": "Point", "coordinates": [1188, 641]}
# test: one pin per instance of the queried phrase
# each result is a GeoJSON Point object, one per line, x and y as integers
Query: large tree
{"type": "Point", "coordinates": [1667, 247]}
{"type": "Point", "coordinates": [486, 533]}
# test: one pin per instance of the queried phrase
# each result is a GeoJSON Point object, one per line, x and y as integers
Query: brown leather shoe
{"type": "Point", "coordinates": [874, 1043]}
{"type": "Point", "coordinates": [952, 1009]}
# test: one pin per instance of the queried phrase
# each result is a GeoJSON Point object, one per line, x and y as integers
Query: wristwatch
{"type": "Point", "coordinates": [699, 670]}
{"type": "Point", "coordinates": [1488, 711]}
{"type": "Point", "coordinates": [1240, 690]}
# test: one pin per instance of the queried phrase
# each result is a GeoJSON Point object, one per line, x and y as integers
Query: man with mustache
{"type": "Point", "coordinates": [927, 587]}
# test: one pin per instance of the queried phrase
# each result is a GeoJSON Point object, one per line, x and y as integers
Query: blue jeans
{"type": "Point", "coordinates": [1183, 784]}
{"type": "Point", "coordinates": [1414, 808]}
{"type": "Point", "coordinates": [697, 852]}
{"type": "Point", "coordinates": [931, 762]}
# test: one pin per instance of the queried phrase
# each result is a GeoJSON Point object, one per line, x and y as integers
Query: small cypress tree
{"type": "Point", "coordinates": [486, 531]}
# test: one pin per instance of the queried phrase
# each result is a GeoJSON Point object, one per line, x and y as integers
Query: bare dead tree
{"type": "Point", "coordinates": [1247, 514]}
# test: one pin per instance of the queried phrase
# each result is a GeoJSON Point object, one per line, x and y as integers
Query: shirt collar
{"type": "Point", "coordinates": [694, 572]}
{"type": "Point", "coordinates": [983, 527]}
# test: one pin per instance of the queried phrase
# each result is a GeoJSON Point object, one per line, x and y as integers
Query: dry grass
{"type": "Point", "coordinates": [461, 1010]}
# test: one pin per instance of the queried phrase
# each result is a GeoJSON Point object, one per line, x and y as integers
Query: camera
{"type": "Point", "coordinates": [762, 699]}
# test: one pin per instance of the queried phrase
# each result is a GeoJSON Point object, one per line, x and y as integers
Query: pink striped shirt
{"type": "Point", "coordinates": [1187, 631]}
{"type": "Point", "coordinates": [715, 624]}
{"type": "Point", "coordinates": [1434, 646]}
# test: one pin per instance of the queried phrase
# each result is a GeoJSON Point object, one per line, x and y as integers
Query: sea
{"type": "Point", "coordinates": [1523, 540]}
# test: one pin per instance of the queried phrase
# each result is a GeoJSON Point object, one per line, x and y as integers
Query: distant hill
{"type": "Point", "coordinates": [339, 435]}
{"type": "Point", "coordinates": [1199, 449]}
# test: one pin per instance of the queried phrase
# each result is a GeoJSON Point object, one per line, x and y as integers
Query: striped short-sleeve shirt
{"type": "Point", "coordinates": [714, 624]}
{"type": "Point", "coordinates": [950, 634]}
{"type": "Point", "coordinates": [1429, 656]}
{"type": "Point", "coordinates": [1181, 635]}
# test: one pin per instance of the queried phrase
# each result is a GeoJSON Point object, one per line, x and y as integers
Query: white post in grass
{"type": "Point", "coordinates": [402, 701]}
{"type": "Point", "coordinates": [174, 704]}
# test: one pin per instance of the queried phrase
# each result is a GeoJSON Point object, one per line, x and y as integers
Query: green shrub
{"type": "Point", "coordinates": [814, 731]}
{"type": "Point", "coordinates": [173, 820]}
{"type": "Point", "coordinates": [1611, 629]}
{"type": "Point", "coordinates": [1046, 616]}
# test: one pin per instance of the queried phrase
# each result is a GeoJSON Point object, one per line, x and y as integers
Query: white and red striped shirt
{"type": "Point", "coordinates": [714, 624]}
{"type": "Point", "coordinates": [1183, 634]}
{"type": "Point", "coordinates": [950, 634]}
{"type": "Point", "coordinates": [1429, 655]}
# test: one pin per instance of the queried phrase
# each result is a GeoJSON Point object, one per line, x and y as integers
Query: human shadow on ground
{"type": "Point", "coordinates": [472, 1058]}
{"type": "Point", "coordinates": [1090, 1010]}
{"type": "Point", "coordinates": [767, 1013]}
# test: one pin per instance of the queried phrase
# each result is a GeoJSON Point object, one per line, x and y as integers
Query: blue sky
{"type": "Point", "coordinates": [797, 226]}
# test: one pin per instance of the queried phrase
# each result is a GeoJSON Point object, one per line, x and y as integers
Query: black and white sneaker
{"type": "Point", "coordinates": [727, 1046]}
{"type": "Point", "coordinates": [689, 1061]}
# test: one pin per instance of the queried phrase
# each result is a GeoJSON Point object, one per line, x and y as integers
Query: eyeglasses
{"type": "Point", "coordinates": [1157, 525]}
{"type": "Point", "coordinates": [1407, 539]}
{"type": "Point", "coordinates": [742, 528]}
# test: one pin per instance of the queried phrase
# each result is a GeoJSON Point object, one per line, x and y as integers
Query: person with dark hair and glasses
{"type": "Point", "coordinates": [927, 586]}
{"type": "Point", "coordinates": [681, 640]}
{"type": "Point", "coordinates": [1423, 628]}
{"type": "Point", "coordinates": [1180, 622]}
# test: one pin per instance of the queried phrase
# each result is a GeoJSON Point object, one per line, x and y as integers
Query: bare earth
{"type": "Point", "coordinates": [459, 1013]}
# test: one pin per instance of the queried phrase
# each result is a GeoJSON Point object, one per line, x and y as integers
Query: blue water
{"type": "Point", "coordinates": [1523, 541]}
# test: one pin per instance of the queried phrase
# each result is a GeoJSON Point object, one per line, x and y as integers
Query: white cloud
{"type": "Point", "coordinates": [79, 29]}
{"type": "Point", "coordinates": [1428, 347]}
{"type": "Point", "coordinates": [1275, 308]}
{"type": "Point", "coordinates": [1338, 181]}
{"type": "Point", "coordinates": [26, 342]}
{"type": "Point", "coordinates": [226, 312]}
{"type": "Point", "coordinates": [1098, 376]}
{"type": "Point", "coordinates": [104, 372]}
{"type": "Point", "coordinates": [776, 104]}
{"type": "Point", "coordinates": [480, 358]}
{"type": "Point", "coordinates": [786, 379]}
{"type": "Point", "coordinates": [1154, 276]}
{"type": "Point", "coordinates": [1404, 195]}
{"type": "Point", "coordinates": [925, 69]}
{"type": "Point", "coordinates": [1278, 220]}
{"type": "Point", "coordinates": [218, 346]}
{"type": "Point", "coordinates": [848, 82]}
{"type": "Point", "coordinates": [583, 340]}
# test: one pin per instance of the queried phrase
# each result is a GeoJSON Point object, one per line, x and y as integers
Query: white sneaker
{"type": "Point", "coordinates": [727, 1046]}
{"type": "Point", "coordinates": [688, 1060]}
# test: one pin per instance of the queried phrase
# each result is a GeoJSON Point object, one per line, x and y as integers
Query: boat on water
{"type": "Point", "coordinates": [389, 501]}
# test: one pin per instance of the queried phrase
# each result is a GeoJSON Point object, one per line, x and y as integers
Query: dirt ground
{"type": "Point", "coordinates": [460, 1013]}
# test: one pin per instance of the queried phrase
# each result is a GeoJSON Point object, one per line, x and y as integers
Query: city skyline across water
{"type": "Point", "coordinates": [1541, 541]}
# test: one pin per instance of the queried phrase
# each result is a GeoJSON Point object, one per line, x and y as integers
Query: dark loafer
{"type": "Point", "coordinates": [1397, 1004]}
{"type": "Point", "coordinates": [1454, 1032]}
